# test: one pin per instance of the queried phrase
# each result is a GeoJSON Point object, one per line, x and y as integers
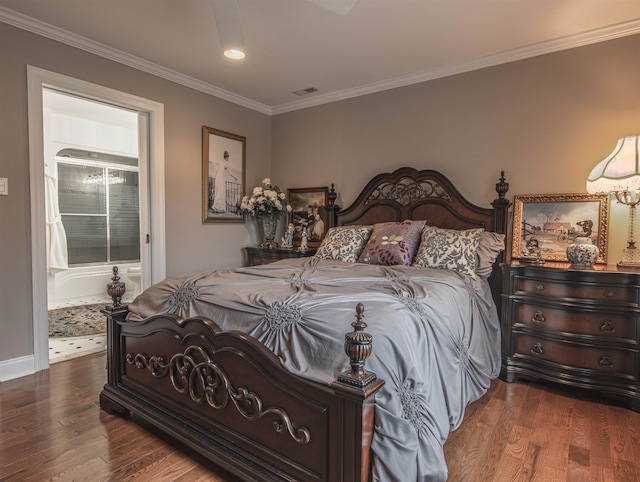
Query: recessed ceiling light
{"type": "Point", "coordinates": [234, 54]}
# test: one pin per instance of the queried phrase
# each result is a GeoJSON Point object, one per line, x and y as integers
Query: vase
{"type": "Point", "coordinates": [269, 226]}
{"type": "Point", "coordinates": [582, 252]}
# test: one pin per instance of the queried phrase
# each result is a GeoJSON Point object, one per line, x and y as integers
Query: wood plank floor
{"type": "Point", "coordinates": [51, 428]}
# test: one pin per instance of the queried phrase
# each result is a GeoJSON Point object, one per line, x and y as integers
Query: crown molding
{"type": "Point", "coordinates": [33, 25]}
{"type": "Point", "coordinates": [541, 48]}
{"type": "Point", "coordinates": [24, 22]}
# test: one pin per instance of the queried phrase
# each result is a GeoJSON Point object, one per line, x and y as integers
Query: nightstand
{"type": "Point", "coordinates": [254, 256]}
{"type": "Point", "coordinates": [578, 327]}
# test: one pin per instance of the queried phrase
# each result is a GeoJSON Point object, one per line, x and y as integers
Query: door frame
{"type": "Point", "coordinates": [37, 79]}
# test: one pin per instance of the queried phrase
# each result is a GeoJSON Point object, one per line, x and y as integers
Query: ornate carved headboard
{"type": "Point", "coordinates": [411, 194]}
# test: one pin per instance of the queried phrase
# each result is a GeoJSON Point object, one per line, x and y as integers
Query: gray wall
{"type": "Point", "coordinates": [546, 121]}
{"type": "Point", "coordinates": [190, 245]}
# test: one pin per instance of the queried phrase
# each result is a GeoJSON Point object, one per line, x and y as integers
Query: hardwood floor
{"type": "Point", "coordinates": [51, 427]}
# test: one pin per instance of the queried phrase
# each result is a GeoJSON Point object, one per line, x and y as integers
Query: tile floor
{"type": "Point", "coordinates": [65, 348]}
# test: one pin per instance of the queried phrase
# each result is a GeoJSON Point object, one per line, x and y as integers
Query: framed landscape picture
{"type": "Point", "coordinates": [308, 212]}
{"type": "Point", "coordinates": [223, 162]}
{"type": "Point", "coordinates": [553, 221]}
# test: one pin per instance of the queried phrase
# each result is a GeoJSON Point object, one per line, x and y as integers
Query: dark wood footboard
{"type": "Point", "coordinates": [228, 398]}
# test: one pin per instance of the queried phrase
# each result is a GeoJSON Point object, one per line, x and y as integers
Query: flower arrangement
{"type": "Point", "coordinates": [266, 201]}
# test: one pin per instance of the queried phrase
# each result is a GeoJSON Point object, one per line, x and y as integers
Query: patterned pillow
{"type": "Point", "coordinates": [449, 249]}
{"type": "Point", "coordinates": [344, 243]}
{"type": "Point", "coordinates": [392, 243]}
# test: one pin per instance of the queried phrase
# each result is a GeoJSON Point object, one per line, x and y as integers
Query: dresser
{"type": "Point", "coordinates": [578, 327]}
{"type": "Point", "coordinates": [254, 256]}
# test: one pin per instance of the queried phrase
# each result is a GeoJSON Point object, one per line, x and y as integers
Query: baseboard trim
{"type": "Point", "coordinates": [16, 368]}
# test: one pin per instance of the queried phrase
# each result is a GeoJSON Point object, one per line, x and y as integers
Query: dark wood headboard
{"type": "Point", "coordinates": [411, 194]}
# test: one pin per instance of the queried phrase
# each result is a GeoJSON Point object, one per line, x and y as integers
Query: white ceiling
{"type": "Point", "coordinates": [295, 44]}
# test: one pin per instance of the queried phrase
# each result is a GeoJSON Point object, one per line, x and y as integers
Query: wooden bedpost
{"type": "Point", "coordinates": [358, 388]}
{"type": "Point", "coordinates": [501, 220]}
{"type": "Point", "coordinates": [114, 312]}
{"type": "Point", "coordinates": [332, 208]}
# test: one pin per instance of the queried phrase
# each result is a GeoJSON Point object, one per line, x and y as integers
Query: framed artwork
{"type": "Point", "coordinates": [308, 211]}
{"type": "Point", "coordinates": [223, 167]}
{"type": "Point", "coordinates": [553, 221]}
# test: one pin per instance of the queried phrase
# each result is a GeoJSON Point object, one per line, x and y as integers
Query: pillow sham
{"type": "Point", "coordinates": [489, 247]}
{"type": "Point", "coordinates": [392, 243]}
{"type": "Point", "coordinates": [344, 243]}
{"type": "Point", "coordinates": [449, 249]}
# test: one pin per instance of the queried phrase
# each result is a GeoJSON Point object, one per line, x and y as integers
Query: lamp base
{"type": "Point", "coordinates": [630, 258]}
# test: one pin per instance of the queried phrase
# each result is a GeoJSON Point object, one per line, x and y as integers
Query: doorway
{"type": "Point", "coordinates": [150, 127]}
{"type": "Point", "coordinates": [92, 181]}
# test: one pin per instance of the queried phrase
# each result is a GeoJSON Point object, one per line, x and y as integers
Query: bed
{"type": "Point", "coordinates": [351, 365]}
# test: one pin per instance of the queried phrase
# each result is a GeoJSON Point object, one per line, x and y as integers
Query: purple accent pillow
{"type": "Point", "coordinates": [392, 243]}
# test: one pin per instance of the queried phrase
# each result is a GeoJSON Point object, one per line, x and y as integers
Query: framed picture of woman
{"type": "Point", "coordinates": [308, 214]}
{"type": "Point", "coordinates": [223, 167]}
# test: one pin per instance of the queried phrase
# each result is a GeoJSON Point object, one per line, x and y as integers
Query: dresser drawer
{"type": "Point", "coordinates": [578, 321]}
{"type": "Point", "coordinates": [619, 294]}
{"type": "Point", "coordinates": [604, 360]}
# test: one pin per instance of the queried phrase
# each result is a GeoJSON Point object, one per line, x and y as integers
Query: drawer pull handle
{"type": "Point", "coordinates": [608, 294]}
{"type": "Point", "coordinates": [539, 287]}
{"type": "Point", "coordinates": [538, 317]}
{"type": "Point", "coordinates": [607, 327]}
{"type": "Point", "coordinates": [536, 349]}
{"type": "Point", "coordinates": [605, 361]}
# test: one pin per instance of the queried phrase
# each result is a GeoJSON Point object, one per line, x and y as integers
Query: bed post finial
{"type": "Point", "coordinates": [116, 290]}
{"type": "Point", "coordinates": [502, 187]}
{"type": "Point", "coordinates": [332, 195]}
{"type": "Point", "coordinates": [331, 208]}
{"type": "Point", "coordinates": [358, 346]}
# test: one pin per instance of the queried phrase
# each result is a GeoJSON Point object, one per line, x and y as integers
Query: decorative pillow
{"type": "Point", "coordinates": [449, 249]}
{"type": "Point", "coordinates": [489, 247]}
{"type": "Point", "coordinates": [344, 243]}
{"type": "Point", "coordinates": [392, 243]}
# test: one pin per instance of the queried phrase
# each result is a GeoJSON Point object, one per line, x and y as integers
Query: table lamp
{"type": "Point", "coordinates": [619, 174]}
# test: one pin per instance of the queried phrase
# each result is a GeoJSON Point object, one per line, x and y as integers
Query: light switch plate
{"type": "Point", "coordinates": [4, 186]}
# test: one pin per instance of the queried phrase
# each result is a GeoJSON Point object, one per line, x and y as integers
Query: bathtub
{"type": "Point", "coordinates": [83, 283]}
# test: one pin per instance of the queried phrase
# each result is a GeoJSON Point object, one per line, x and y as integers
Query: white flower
{"type": "Point", "coordinates": [266, 201]}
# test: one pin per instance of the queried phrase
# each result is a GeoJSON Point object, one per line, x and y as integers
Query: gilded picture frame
{"type": "Point", "coordinates": [308, 211]}
{"type": "Point", "coordinates": [553, 221]}
{"type": "Point", "coordinates": [223, 176]}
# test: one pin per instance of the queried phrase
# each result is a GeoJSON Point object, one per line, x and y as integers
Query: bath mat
{"type": "Point", "coordinates": [77, 321]}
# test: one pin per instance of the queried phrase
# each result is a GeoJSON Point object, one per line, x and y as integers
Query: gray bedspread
{"type": "Point", "coordinates": [436, 340]}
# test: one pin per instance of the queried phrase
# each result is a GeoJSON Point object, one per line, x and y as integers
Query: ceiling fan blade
{"type": "Point", "coordinates": [229, 24]}
{"type": "Point", "coordinates": [341, 7]}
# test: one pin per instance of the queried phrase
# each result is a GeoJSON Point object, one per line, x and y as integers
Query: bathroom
{"type": "Point", "coordinates": [92, 200]}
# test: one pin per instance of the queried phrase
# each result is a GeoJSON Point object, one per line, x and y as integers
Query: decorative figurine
{"type": "Point", "coordinates": [531, 252]}
{"type": "Point", "coordinates": [303, 243]}
{"type": "Point", "coordinates": [287, 239]}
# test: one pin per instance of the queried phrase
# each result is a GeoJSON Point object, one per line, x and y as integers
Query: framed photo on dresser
{"type": "Point", "coordinates": [552, 222]}
{"type": "Point", "coordinates": [308, 212]}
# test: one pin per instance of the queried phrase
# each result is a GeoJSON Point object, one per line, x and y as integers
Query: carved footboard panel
{"type": "Point", "coordinates": [227, 397]}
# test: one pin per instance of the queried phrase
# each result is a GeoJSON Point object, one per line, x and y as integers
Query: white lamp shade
{"type": "Point", "coordinates": [619, 171]}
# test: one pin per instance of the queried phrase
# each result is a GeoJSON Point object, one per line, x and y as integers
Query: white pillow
{"type": "Point", "coordinates": [490, 246]}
